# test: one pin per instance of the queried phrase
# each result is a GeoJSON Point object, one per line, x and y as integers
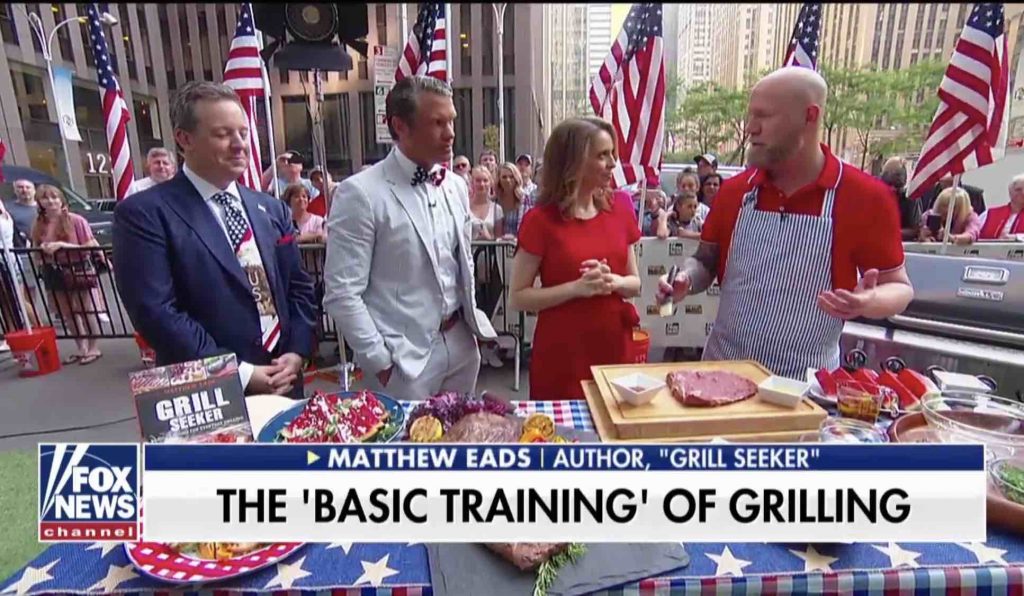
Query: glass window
{"type": "Point", "coordinates": [509, 41]}
{"type": "Point", "coordinates": [362, 68]}
{"type": "Point", "coordinates": [465, 56]}
{"type": "Point", "coordinates": [144, 118]}
{"type": "Point", "coordinates": [186, 45]}
{"type": "Point", "coordinates": [931, 26]}
{"type": "Point", "coordinates": [298, 126]}
{"type": "Point", "coordinates": [147, 54]}
{"type": "Point", "coordinates": [487, 38]}
{"type": "Point", "coordinates": [90, 59]}
{"type": "Point", "coordinates": [463, 99]}
{"type": "Point", "coordinates": [372, 150]}
{"type": "Point", "coordinates": [382, 24]}
{"type": "Point", "coordinates": [88, 108]}
{"type": "Point", "coordinates": [31, 99]}
{"type": "Point", "coordinates": [129, 51]}
{"type": "Point", "coordinates": [7, 30]}
{"type": "Point", "coordinates": [161, 11]}
{"type": "Point", "coordinates": [222, 31]}
{"type": "Point", "coordinates": [336, 139]}
{"type": "Point", "coordinates": [38, 9]}
{"type": "Point", "coordinates": [204, 43]}
{"type": "Point", "coordinates": [490, 106]}
{"type": "Point", "coordinates": [64, 33]}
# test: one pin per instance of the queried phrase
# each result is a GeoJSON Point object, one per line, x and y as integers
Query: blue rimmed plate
{"type": "Point", "coordinates": [392, 431]}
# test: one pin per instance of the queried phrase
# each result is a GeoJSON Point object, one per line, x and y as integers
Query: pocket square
{"type": "Point", "coordinates": [262, 208]}
{"type": "Point", "coordinates": [286, 239]}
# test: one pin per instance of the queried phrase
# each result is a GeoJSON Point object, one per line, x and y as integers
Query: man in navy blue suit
{"type": "Point", "coordinates": [206, 266]}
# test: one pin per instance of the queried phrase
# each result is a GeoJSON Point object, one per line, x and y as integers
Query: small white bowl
{"type": "Point", "coordinates": [783, 391]}
{"type": "Point", "coordinates": [637, 389]}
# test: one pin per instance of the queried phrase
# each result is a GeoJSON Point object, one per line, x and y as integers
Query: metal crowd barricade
{"type": "Point", "coordinates": [73, 290]}
{"type": "Point", "coordinates": [492, 262]}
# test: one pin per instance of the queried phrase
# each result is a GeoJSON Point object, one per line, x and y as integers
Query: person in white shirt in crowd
{"type": "Point", "coordinates": [1005, 222]}
{"type": "Point", "coordinates": [289, 171]}
{"type": "Point", "coordinates": [485, 217]}
{"type": "Point", "coordinates": [24, 211]}
{"type": "Point", "coordinates": [161, 166]}
{"type": "Point", "coordinates": [525, 164]}
{"type": "Point", "coordinates": [683, 220]}
{"type": "Point", "coordinates": [461, 166]}
{"type": "Point", "coordinates": [484, 213]}
{"type": "Point", "coordinates": [399, 279]}
{"type": "Point", "coordinates": [489, 159]}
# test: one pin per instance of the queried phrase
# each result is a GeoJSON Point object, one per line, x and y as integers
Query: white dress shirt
{"type": "Point", "coordinates": [1007, 227]}
{"type": "Point", "coordinates": [207, 190]}
{"type": "Point", "coordinates": [444, 233]}
{"type": "Point", "coordinates": [140, 185]}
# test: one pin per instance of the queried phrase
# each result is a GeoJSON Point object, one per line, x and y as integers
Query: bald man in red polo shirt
{"type": "Point", "coordinates": [788, 236]}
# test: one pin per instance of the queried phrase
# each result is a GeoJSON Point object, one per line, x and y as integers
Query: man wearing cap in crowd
{"type": "Point", "coordinates": [706, 164]}
{"type": "Point", "coordinates": [525, 164]}
{"type": "Point", "coordinates": [289, 171]}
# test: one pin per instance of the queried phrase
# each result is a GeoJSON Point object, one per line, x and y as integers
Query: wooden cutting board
{"type": "Point", "coordinates": [665, 417]}
{"type": "Point", "coordinates": [606, 430]}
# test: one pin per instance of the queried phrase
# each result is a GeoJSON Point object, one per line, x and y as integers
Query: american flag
{"type": "Point", "coordinates": [116, 114]}
{"type": "Point", "coordinates": [629, 91]}
{"type": "Point", "coordinates": [244, 73]}
{"type": "Point", "coordinates": [803, 45]}
{"type": "Point", "coordinates": [3, 152]}
{"type": "Point", "coordinates": [426, 52]}
{"type": "Point", "coordinates": [969, 128]}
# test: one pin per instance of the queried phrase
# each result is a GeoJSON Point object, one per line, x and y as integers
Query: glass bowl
{"type": "Point", "coordinates": [850, 430]}
{"type": "Point", "coordinates": [998, 471]}
{"type": "Point", "coordinates": [995, 422]}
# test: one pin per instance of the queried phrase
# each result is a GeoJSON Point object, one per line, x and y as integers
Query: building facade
{"type": "Point", "coordinates": [148, 37]}
{"type": "Point", "coordinates": [568, 60]}
{"type": "Point", "coordinates": [695, 47]}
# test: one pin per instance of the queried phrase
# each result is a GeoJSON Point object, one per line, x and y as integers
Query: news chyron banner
{"type": "Point", "coordinates": [579, 492]}
{"type": "Point", "coordinates": [515, 493]}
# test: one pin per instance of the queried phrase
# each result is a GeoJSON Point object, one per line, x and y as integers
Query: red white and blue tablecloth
{"type": "Point", "coordinates": [346, 569]}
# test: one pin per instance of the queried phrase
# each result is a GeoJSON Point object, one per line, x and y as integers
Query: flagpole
{"type": "Point", "coordinates": [950, 207]}
{"type": "Point", "coordinates": [270, 118]}
{"type": "Point", "coordinates": [403, 21]}
{"type": "Point", "coordinates": [448, 39]}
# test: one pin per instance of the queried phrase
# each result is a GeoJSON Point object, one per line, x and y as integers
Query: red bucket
{"type": "Point", "coordinates": [147, 353]}
{"type": "Point", "coordinates": [35, 350]}
{"type": "Point", "coordinates": [639, 347]}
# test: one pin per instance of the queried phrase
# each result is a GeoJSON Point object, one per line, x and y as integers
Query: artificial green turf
{"type": "Point", "coordinates": [17, 506]}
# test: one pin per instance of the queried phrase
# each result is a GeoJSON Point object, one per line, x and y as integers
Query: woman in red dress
{"type": "Point", "coordinates": [579, 240]}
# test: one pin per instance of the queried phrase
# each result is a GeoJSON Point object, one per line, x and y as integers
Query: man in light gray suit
{"type": "Point", "coordinates": [399, 275]}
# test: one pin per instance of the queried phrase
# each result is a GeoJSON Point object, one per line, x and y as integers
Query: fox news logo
{"type": "Point", "coordinates": [88, 492]}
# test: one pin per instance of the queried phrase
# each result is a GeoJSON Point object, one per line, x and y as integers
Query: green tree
{"type": "Point", "coordinates": [703, 122]}
{"type": "Point", "coordinates": [491, 137]}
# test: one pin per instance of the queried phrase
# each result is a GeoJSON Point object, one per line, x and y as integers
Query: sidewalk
{"type": "Point", "coordinates": [97, 396]}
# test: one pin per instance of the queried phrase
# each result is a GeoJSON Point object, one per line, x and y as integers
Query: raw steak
{"type": "Point", "coordinates": [709, 388]}
{"type": "Point", "coordinates": [484, 427]}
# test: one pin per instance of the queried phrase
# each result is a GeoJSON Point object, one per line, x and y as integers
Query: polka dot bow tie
{"type": "Point", "coordinates": [421, 176]}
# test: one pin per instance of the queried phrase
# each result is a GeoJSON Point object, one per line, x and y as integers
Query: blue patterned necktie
{"type": "Point", "coordinates": [234, 219]}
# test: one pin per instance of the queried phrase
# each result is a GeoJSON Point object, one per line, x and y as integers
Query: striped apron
{"type": "Point", "coordinates": [778, 264]}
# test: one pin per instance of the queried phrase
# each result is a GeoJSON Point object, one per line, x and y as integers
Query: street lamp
{"type": "Point", "coordinates": [499, 18]}
{"type": "Point", "coordinates": [46, 42]}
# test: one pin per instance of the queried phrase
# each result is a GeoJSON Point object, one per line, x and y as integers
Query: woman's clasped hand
{"type": "Point", "coordinates": [596, 279]}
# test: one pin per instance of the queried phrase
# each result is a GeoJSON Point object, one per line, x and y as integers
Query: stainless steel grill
{"type": "Point", "coordinates": [967, 316]}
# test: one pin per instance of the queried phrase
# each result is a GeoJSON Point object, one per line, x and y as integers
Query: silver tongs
{"type": "Point", "coordinates": [667, 307]}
